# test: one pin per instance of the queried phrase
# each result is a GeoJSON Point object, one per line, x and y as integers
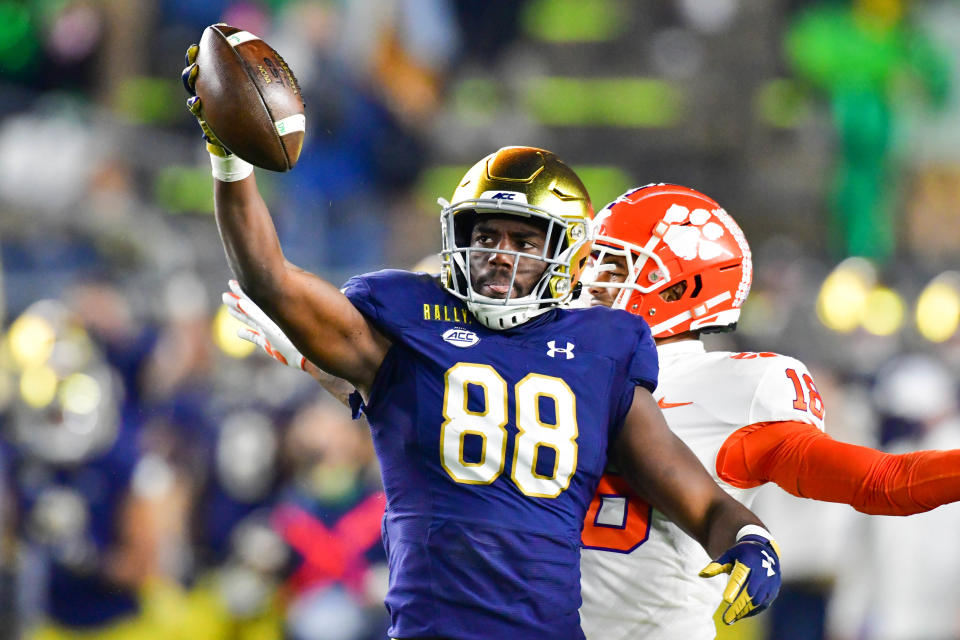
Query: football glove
{"type": "Point", "coordinates": [189, 77]}
{"type": "Point", "coordinates": [754, 567]}
{"type": "Point", "coordinates": [260, 329]}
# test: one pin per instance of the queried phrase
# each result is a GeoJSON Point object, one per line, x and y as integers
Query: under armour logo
{"type": "Point", "coordinates": [552, 350]}
{"type": "Point", "coordinates": [767, 563]}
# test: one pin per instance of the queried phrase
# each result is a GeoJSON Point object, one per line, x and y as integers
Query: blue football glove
{"type": "Point", "coordinates": [754, 567]}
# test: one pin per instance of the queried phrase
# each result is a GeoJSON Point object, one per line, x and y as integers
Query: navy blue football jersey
{"type": "Point", "coordinates": [491, 444]}
{"type": "Point", "coordinates": [92, 493]}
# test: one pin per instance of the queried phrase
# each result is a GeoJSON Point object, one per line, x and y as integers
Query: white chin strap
{"type": "Point", "coordinates": [494, 314]}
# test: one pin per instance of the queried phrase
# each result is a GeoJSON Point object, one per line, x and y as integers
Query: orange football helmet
{"type": "Point", "coordinates": [688, 263]}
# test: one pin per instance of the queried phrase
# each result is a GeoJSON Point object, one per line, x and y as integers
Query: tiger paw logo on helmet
{"type": "Point", "coordinates": [698, 239]}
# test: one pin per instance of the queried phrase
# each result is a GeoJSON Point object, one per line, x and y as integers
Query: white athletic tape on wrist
{"type": "Point", "coordinates": [230, 169]}
{"type": "Point", "coordinates": [756, 530]}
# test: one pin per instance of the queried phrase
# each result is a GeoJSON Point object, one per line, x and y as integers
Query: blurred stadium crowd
{"type": "Point", "coordinates": [160, 479]}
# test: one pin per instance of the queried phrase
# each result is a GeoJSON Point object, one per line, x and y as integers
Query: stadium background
{"type": "Point", "coordinates": [831, 132]}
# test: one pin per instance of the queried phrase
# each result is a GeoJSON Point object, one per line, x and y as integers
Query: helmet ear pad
{"type": "Point", "coordinates": [683, 292]}
{"type": "Point", "coordinates": [676, 291]}
{"type": "Point", "coordinates": [654, 304]}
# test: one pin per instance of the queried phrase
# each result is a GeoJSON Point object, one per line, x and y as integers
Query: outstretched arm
{"type": "Point", "coordinates": [660, 467]}
{"type": "Point", "coordinates": [264, 332]}
{"type": "Point", "coordinates": [663, 469]}
{"type": "Point", "coordinates": [808, 463]}
{"type": "Point", "coordinates": [313, 313]}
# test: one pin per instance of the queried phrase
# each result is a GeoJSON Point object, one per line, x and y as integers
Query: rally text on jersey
{"type": "Point", "coordinates": [445, 313]}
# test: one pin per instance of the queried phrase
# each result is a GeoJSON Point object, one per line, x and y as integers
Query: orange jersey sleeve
{"type": "Point", "coordinates": [808, 463]}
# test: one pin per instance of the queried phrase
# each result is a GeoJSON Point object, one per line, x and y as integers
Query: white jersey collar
{"type": "Point", "coordinates": [681, 347]}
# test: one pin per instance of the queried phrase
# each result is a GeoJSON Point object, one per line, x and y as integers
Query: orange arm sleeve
{"type": "Point", "coordinates": [808, 463]}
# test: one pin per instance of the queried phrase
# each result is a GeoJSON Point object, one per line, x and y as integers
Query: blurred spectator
{"type": "Point", "coordinates": [106, 312]}
{"type": "Point", "coordinates": [488, 29]}
{"type": "Point", "coordinates": [913, 395]}
{"type": "Point", "coordinates": [814, 535]}
{"type": "Point", "coordinates": [330, 516]}
{"type": "Point", "coordinates": [363, 144]}
{"type": "Point", "coordinates": [88, 502]}
{"type": "Point", "coordinates": [53, 45]}
{"type": "Point", "coordinates": [239, 559]}
{"type": "Point", "coordinates": [178, 372]}
{"type": "Point", "coordinates": [403, 48]}
{"type": "Point", "coordinates": [900, 570]}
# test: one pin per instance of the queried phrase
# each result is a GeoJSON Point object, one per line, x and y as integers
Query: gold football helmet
{"type": "Point", "coordinates": [529, 183]}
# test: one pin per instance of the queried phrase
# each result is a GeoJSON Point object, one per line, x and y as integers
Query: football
{"type": "Point", "coordinates": [250, 97]}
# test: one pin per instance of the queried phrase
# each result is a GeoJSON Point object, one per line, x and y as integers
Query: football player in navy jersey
{"type": "Point", "coordinates": [86, 500]}
{"type": "Point", "coordinates": [491, 408]}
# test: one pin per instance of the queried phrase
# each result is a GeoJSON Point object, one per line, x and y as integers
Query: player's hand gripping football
{"type": "Point", "coordinates": [261, 330]}
{"type": "Point", "coordinates": [754, 567]}
{"type": "Point", "coordinates": [189, 77]}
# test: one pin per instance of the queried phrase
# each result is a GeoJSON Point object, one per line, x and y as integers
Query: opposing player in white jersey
{"type": "Point", "coordinates": [675, 257]}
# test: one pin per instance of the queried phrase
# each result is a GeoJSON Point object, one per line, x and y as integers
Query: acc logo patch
{"type": "Point", "coordinates": [511, 196]}
{"type": "Point", "coordinates": [462, 338]}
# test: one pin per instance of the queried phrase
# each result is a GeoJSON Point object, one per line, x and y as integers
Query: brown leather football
{"type": "Point", "coordinates": [250, 97]}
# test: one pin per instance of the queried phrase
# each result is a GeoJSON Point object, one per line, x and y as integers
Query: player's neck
{"type": "Point", "coordinates": [686, 335]}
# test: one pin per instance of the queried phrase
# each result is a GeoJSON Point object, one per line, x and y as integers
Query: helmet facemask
{"type": "Point", "coordinates": [641, 266]}
{"type": "Point", "coordinates": [565, 241]}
